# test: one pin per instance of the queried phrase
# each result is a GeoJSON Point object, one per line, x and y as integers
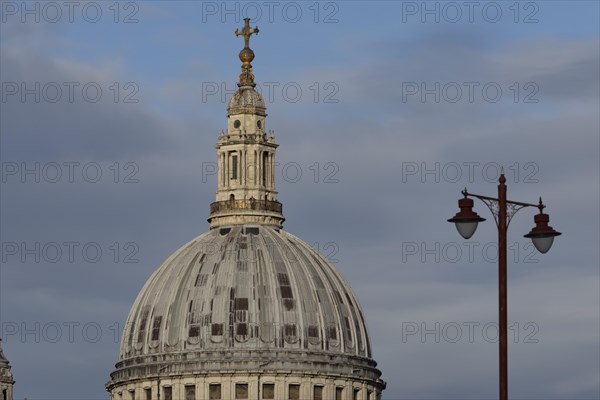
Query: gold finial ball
{"type": "Point", "coordinates": [246, 55]}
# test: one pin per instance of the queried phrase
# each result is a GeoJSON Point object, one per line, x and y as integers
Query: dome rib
{"type": "Point", "coordinates": [327, 310]}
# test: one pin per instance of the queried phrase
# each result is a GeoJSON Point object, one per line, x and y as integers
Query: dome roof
{"type": "Point", "coordinates": [246, 288]}
{"type": "Point", "coordinates": [246, 101]}
{"type": "Point", "coordinates": [246, 300]}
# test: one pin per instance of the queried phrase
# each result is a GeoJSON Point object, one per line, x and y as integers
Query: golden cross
{"type": "Point", "coordinates": [246, 32]}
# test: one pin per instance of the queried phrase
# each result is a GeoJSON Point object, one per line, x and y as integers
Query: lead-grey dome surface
{"type": "Point", "coordinates": [246, 288]}
{"type": "Point", "coordinates": [246, 101]}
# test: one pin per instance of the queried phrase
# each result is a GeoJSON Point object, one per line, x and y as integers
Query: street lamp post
{"type": "Point", "coordinates": [503, 210]}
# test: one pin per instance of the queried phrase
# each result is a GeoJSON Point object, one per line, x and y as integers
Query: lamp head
{"type": "Point", "coordinates": [466, 220]}
{"type": "Point", "coordinates": [542, 235]}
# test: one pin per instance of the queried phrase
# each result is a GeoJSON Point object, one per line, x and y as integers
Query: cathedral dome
{"type": "Point", "coordinates": [246, 310]}
{"type": "Point", "coordinates": [246, 101]}
{"type": "Point", "coordinates": [255, 291]}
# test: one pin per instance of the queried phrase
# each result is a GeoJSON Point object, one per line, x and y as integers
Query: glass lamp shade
{"type": "Point", "coordinates": [542, 235]}
{"type": "Point", "coordinates": [543, 244]}
{"type": "Point", "coordinates": [466, 228]}
{"type": "Point", "coordinates": [466, 220]}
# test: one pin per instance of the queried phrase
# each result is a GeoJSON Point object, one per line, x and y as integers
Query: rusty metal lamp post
{"type": "Point", "coordinates": [503, 210]}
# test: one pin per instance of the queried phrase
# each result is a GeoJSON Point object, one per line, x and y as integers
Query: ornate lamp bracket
{"type": "Point", "coordinates": [512, 207]}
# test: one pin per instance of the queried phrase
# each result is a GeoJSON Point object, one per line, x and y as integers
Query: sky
{"type": "Point", "coordinates": [384, 111]}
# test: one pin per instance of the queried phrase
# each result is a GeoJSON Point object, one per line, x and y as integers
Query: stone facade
{"type": "Point", "coordinates": [250, 386]}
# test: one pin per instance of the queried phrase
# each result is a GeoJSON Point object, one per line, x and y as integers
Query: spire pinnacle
{"type": "Point", "coordinates": [246, 191]}
{"type": "Point", "coordinates": [246, 55]}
